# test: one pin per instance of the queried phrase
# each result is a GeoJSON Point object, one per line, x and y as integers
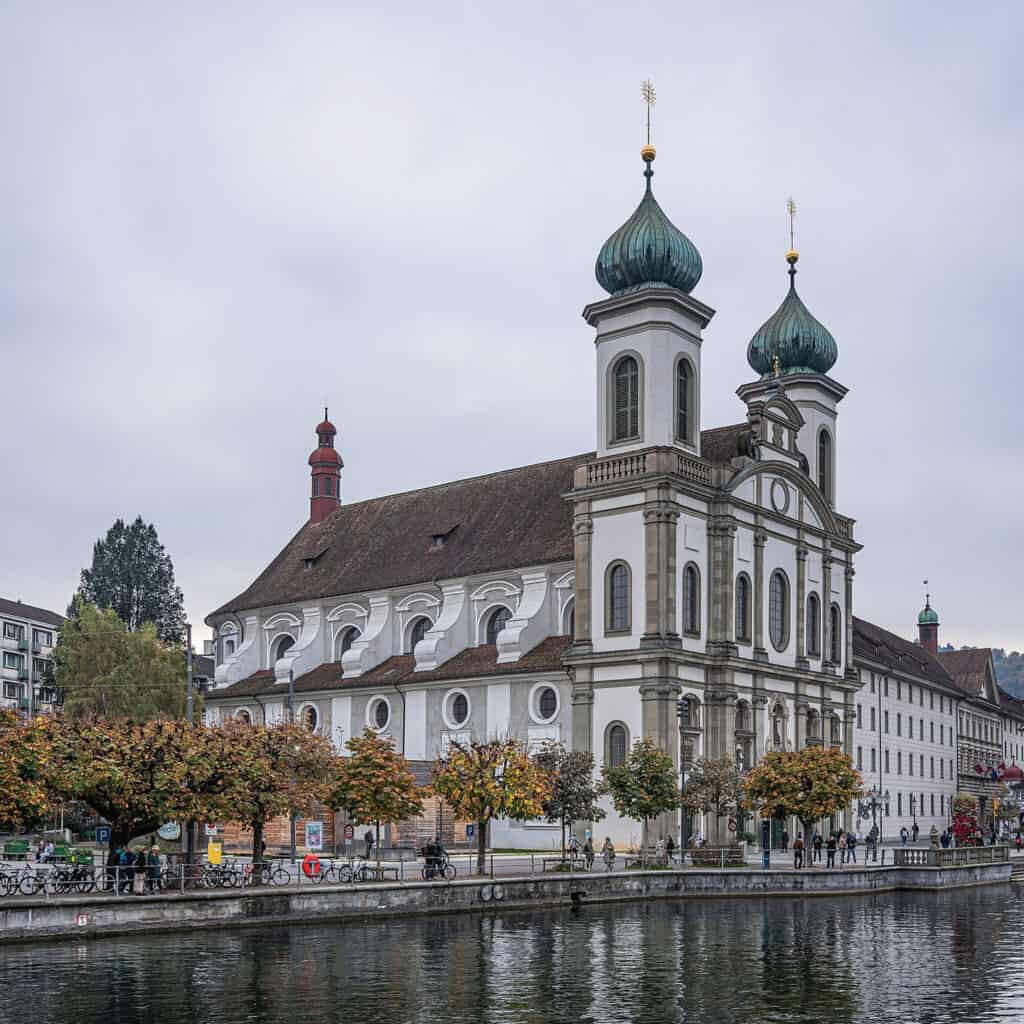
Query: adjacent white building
{"type": "Point", "coordinates": [28, 636]}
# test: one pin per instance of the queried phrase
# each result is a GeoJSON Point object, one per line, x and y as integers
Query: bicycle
{"type": "Point", "coordinates": [445, 869]}
{"type": "Point", "coordinates": [265, 874]}
{"type": "Point", "coordinates": [31, 882]}
{"type": "Point", "coordinates": [76, 878]}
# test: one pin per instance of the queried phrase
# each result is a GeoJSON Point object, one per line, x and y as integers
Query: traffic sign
{"type": "Point", "coordinates": [470, 831]}
{"type": "Point", "coordinates": [350, 831]}
{"type": "Point", "coordinates": [102, 835]}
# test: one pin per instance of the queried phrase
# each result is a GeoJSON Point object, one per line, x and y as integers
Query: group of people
{"type": "Point", "coordinates": [841, 842]}
{"type": "Point", "coordinates": [586, 850]}
{"type": "Point", "coordinates": [435, 856]}
{"type": "Point", "coordinates": [140, 872]}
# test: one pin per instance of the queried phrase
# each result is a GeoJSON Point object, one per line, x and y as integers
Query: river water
{"type": "Point", "coordinates": [908, 958]}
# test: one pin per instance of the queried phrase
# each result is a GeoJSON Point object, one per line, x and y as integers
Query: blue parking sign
{"type": "Point", "coordinates": [102, 835]}
{"type": "Point", "coordinates": [470, 831]}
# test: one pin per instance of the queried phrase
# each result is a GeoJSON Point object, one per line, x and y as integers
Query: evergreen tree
{"type": "Point", "coordinates": [132, 574]}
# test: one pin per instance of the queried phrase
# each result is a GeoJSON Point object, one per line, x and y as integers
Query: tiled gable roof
{"type": "Point", "coordinates": [723, 444]}
{"type": "Point", "coordinates": [969, 669]}
{"type": "Point", "coordinates": [471, 663]}
{"type": "Point", "coordinates": [30, 611]}
{"type": "Point", "coordinates": [1012, 705]}
{"type": "Point", "coordinates": [873, 643]}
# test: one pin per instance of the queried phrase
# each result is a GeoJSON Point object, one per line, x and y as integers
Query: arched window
{"type": "Point", "coordinates": [835, 630]}
{"type": "Point", "coordinates": [813, 626]}
{"type": "Point", "coordinates": [418, 631]}
{"type": "Point", "coordinates": [316, 487]}
{"type": "Point", "coordinates": [496, 623]}
{"type": "Point", "coordinates": [626, 400]}
{"type": "Point", "coordinates": [778, 610]}
{"type": "Point", "coordinates": [691, 600]}
{"type": "Point", "coordinates": [243, 716]}
{"type": "Point", "coordinates": [743, 608]}
{"type": "Point", "coordinates": [616, 745]}
{"type": "Point", "coordinates": [813, 724]}
{"type": "Point", "coordinates": [569, 617]}
{"type": "Point", "coordinates": [327, 486]}
{"type": "Point", "coordinates": [684, 401]}
{"type": "Point", "coordinates": [308, 718]}
{"type": "Point", "coordinates": [825, 464]}
{"type": "Point", "coordinates": [347, 638]}
{"type": "Point", "coordinates": [617, 597]}
{"type": "Point", "coordinates": [284, 645]}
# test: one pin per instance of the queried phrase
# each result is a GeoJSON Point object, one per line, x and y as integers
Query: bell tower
{"type": "Point", "coordinates": [325, 473]}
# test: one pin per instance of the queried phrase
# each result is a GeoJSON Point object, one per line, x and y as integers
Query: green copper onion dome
{"type": "Point", "coordinates": [928, 616]}
{"type": "Point", "coordinates": [798, 342]}
{"type": "Point", "coordinates": [648, 251]}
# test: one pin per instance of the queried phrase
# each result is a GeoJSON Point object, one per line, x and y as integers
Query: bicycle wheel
{"type": "Point", "coordinates": [364, 874]}
{"type": "Point", "coordinates": [345, 874]}
{"type": "Point", "coordinates": [29, 885]}
{"type": "Point", "coordinates": [278, 876]}
{"type": "Point", "coordinates": [449, 871]}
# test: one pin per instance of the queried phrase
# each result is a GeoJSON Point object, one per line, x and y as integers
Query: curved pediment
{"type": "Point", "coordinates": [819, 508]}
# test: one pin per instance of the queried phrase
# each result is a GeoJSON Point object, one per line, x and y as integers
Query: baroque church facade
{"type": "Point", "coordinates": [688, 584]}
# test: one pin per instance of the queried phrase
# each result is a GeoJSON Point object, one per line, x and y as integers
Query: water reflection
{"type": "Point", "coordinates": [912, 958]}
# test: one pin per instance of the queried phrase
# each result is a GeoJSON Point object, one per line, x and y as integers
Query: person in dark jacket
{"type": "Point", "coordinates": [139, 873]}
{"type": "Point", "coordinates": [368, 839]}
{"type": "Point", "coordinates": [153, 869]}
{"type": "Point", "coordinates": [830, 850]}
{"type": "Point", "coordinates": [817, 842]}
{"type": "Point", "coordinates": [798, 851]}
{"type": "Point", "coordinates": [785, 840]}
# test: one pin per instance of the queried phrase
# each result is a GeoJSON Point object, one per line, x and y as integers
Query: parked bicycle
{"type": "Point", "coordinates": [265, 873]}
{"type": "Point", "coordinates": [438, 868]}
{"type": "Point", "coordinates": [77, 878]}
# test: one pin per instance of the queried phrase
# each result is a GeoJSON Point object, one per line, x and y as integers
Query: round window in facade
{"type": "Point", "coordinates": [547, 703]}
{"type": "Point", "coordinates": [378, 713]}
{"type": "Point", "coordinates": [458, 710]}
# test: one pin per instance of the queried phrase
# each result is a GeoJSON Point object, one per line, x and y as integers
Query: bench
{"type": "Point", "coordinates": [16, 849]}
{"type": "Point", "coordinates": [712, 857]}
{"type": "Point", "coordinates": [81, 857]}
{"type": "Point", "coordinates": [563, 864]}
{"type": "Point", "coordinates": [61, 853]}
{"type": "Point", "coordinates": [379, 873]}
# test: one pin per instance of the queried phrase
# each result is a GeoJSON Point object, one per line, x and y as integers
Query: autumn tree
{"type": "Point", "coordinates": [132, 574]}
{"type": "Point", "coordinates": [373, 784]}
{"type": "Point", "coordinates": [486, 780]}
{"type": "Point", "coordinates": [809, 784]}
{"type": "Point", "coordinates": [644, 787]}
{"type": "Point", "coordinates": [133, 774]}
{"type": "Point", "coordinates": [714, 786]}
{"type": "Point", "coordinates": [277, 769]}
{"type": "Point", "coordinates": [24, 754]}
{"type": "Point", "coordinates": [103, 670]}
{"type": "Point", "coordinates": [574, 793]}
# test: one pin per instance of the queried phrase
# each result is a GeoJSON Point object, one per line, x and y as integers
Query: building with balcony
{"type": "Point", "coordinates": [28, 636]}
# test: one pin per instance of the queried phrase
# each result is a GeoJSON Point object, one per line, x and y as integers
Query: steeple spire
{"type": "Point", "coordinates": [325, 473]}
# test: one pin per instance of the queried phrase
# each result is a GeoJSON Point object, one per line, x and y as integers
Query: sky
{"type": "Point", "coordinates": [218, 218]}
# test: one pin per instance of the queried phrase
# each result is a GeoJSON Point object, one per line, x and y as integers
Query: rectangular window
{"type": "Point", "coordinates": [920, 764]}
{"type": "Point", "coordinates": [951, 767]}
{"type": "Point", "coordinates": [885, 721]}
{"type": "Point", "coordinates": [887, 762]}
{"type": "Point", "coordinates": [12, 660]}
{"type": "Point", "coordinates": [899, 690]}
{"type": "Point", "coordinates": [860, 717]}
{"type": "Point", "coordinates": [942, 768]}
{"type": "Point", "coordinates": [899, 724]}
{"type": "Point", "coordinates": [942, 804]}
{"type": "Point", "coordinates": [932, 762]}
{"type": "Point", "coordinates": [899, 804]}
{"type": "Point", "coordinates": [920, 696]}
{"type": "Point", "coordinates": [12, 631]}
{"type": "Point", "coordinates": [873, 760]}
{"type": "Point", "coordinates": [931, 700]}
{"type": "Point", "coordinates": [872, 719]}
{"type": "Point", "coordinates": [872, 682]}
{"type": "Point", "coordinates": [860, 759]}
{"type": "Point", "coordinates": [885, 687]}
{"type": "Point", "coordinates": [42, 637]}
{"type": "Point", "coordinates": [910, 764]}
{"type": "Point", "coordinates": [920, 729]}
{"type": "Point", "coordinates": [899, 762]}
{"type": "Point", "coordinates": [910, 726]}
{"type": "Point", "coordinates": [932, 730]}
{"type": "Point", "coordinates": [13, 690]}
{"type": "Point", "coordinates": [40, 666]}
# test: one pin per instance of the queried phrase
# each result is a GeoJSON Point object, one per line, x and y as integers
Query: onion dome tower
{"type": "Point", "coordinates": [928, 626]}
{"type": "Point", "coordinates": [791, 340]}
{"type": "Point", "coordinates": [648, 251]}
{"type": "Point", "coordinates": [325, 470]}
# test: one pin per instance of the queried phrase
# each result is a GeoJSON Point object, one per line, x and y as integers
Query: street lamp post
{"type": "Point", "coordinates": [291, 719]}
{"type": "Point", "coordinates": [913, 808]}
{"type": "Point", "coordinates": [875, 802]}
{"type": "Point", "coordinates": [683, 714]}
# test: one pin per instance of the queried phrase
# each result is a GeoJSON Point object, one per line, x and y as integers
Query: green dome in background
{"type": "Point", "coordinates": [929, 616]}
{"type": "Point", "coordinates": [801, 343]}
{"type": "Point", "coordinates": [648, 251]}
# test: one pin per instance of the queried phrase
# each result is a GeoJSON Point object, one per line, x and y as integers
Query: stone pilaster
{"type": "Point", "coordinates": [660, 518]}
{"type": "Point", "coordinates": [826, 608]}
{"type": "Point", "coordinates": [721, 585]}
{"type": "Point", "coordinates": [760, 539]}
{"type": "Point", "coordinates": [719, 733]}
{"type": "Point", "coordinates": [659, 691]}
{"type": "Point", "coordinates": [762, 727]}
{"type": "Point", "coordinates": [800, 711]}
{"type": "Point", "coordinates": [801, 607]}
{"type": "Point", "coordinates": [850, 672]}
{"type": "Point", "coordinates": [583, 534]}
{"type": "Point", "coordinates": [583, 712]}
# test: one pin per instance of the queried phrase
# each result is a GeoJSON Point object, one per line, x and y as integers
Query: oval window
{"type": "Point", "coordinates": [460, 709]}
{"type": "Point", "coordinates": [381, 714]}
{"type": "Point", "coordinates": [547, 703]}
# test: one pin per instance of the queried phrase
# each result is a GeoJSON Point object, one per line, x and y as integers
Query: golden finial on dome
{"type": "Point", "coordinates": [792, 256]}
{"type": "Point", "coordinates": [647, 153]}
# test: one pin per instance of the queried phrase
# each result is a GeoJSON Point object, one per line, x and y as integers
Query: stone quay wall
{"type": "Point", "coordinates": [98, 917]}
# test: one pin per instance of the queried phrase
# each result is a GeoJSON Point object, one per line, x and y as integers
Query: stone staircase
{"type": "Point", "coordinates": [1017, 869]}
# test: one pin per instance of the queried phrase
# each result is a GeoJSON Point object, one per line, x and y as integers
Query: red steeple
{"type": "Point", "coordinates": [325, 471]}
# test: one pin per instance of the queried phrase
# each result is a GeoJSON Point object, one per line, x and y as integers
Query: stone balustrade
{"type": "Point", "coordinates": [960, 856]}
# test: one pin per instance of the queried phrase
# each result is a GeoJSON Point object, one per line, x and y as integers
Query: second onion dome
{"type": "Point", "coordinates": [648, 251]}
{"type": "Point", "coordinates": [791, 340]}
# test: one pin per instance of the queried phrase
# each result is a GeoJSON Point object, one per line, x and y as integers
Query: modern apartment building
{"type": "Point", "coordinates": [28, 636]}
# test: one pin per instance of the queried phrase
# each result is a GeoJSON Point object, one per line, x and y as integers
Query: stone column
{"type": "Point", "coordinates": [760, 539]}
{"type": "Point", "coordinates": [721, 584]}
{"type": "Point", "coordinates": [659, 691]}
{"type": "Point", "coordinates": [583, 711]}
{"type": "Point", "coordinates": [583, 533]}
{"type": "Point", "coordinates": [850, 671]}
{"type": "Point", "coordinates": [660, 518]}
{"type": "Point", "coordinates": [801, 606]}
{"type": "Point", "coordinates": [762, 727]}
{"type": "Point", "coordinates": [826, 607]}
{"type": "Point", "coordinates": [849, 721]}
{"type": "Point", "coordinates": [719, 733]}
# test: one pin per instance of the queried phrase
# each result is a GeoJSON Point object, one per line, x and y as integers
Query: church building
{"type": "Point", "coordinates": [688, 583]}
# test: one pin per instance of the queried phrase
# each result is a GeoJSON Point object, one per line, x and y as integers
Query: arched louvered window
{"type": "Point", "coordinates": [418, 631]}
{"type": "Point", "coordinates": [691, 600]}
{"type": "Point", "coordinates": [496, 623]}
{"type": "Point", "coordinates": [743, 608]}
{"type": "Point", "coordinates": [813, 626]}
{"type": "Point", "coordinates": [316, 487]}
{"type": "Point", "coordinates": [347, 639]}
{"type": "Point", "coordinates": [825, 464]}
{"type": "Point", "coordinates": [778, 610]}
{"type": "Point", "coordinates": [617, 615]}
{"type": "Point", "coordinates": [684, 401]}
{"type": "Point", "coordinates": [626, 400]}
{"type": "Point", "coordinates": [617, 742]}
{"type": "Point", "coordinates": [835, 629]}
{"type": "Point", "coordinates": [285, 644]}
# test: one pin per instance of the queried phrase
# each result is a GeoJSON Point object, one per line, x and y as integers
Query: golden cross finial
{"type": "Point", "coordinates": [649, 96]}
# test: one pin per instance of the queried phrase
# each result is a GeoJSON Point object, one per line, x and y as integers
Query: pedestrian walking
{"type": "Point", "coordinates": [137, 874]}
{"type": "Point", "coordinates": [817, 843]}
{"type": "Point", "coordinates": [785, 840]}
{"type": "Point", "coordinates": [872, 845]}
{"type": "Point", "coordinates": [904, 835]}
{"type": "Point", "coordinates": [944, 839]}
{"type": "Point", "coordinates": [841, 843]}
{"type": "Point", "coordinates": [915, 832]}
{"type": "Point", "coordinates": [851, 847]}
{"type": "Point", "coordinates": [608, 854]}
{"type": "Point", "coordinates": [588, 853]}
{"type": "Point", "coordinates": [798, 851]}
{"type": "Point", "coordinates": [153, 869]}
{"type": "Point", "coordinates": [830, 850]}
{"type": "Point", "coordinates": [368, 840]}
{"type": "Point", "coordinates": [670, 849]}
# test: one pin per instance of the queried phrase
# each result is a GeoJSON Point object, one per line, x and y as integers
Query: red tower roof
{"type": "Point", "coordinates": [327, 427]}
{"type": "Point", "coordinates": [325, 454]}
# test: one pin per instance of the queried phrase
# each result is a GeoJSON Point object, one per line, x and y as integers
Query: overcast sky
{"type": "Point", "coordinates": [218, 217]}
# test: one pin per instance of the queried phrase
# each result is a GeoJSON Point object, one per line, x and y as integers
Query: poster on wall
{"type": "Point", "coordinates": [314, 835]}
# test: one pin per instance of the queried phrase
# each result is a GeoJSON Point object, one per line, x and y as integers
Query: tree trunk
{"type": "Point", "coordinates": [643, 844]}
{"type": "Point", "coordinates": [481, 847]}
{"type": "Point", "coordinates": [376, 845]}
{"type": "Point", "coordinates": [257, 842]}
{"type": "Point", "coordinates": [190, 841]}
{"type": "Point", "coordinates": [563, 839]}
